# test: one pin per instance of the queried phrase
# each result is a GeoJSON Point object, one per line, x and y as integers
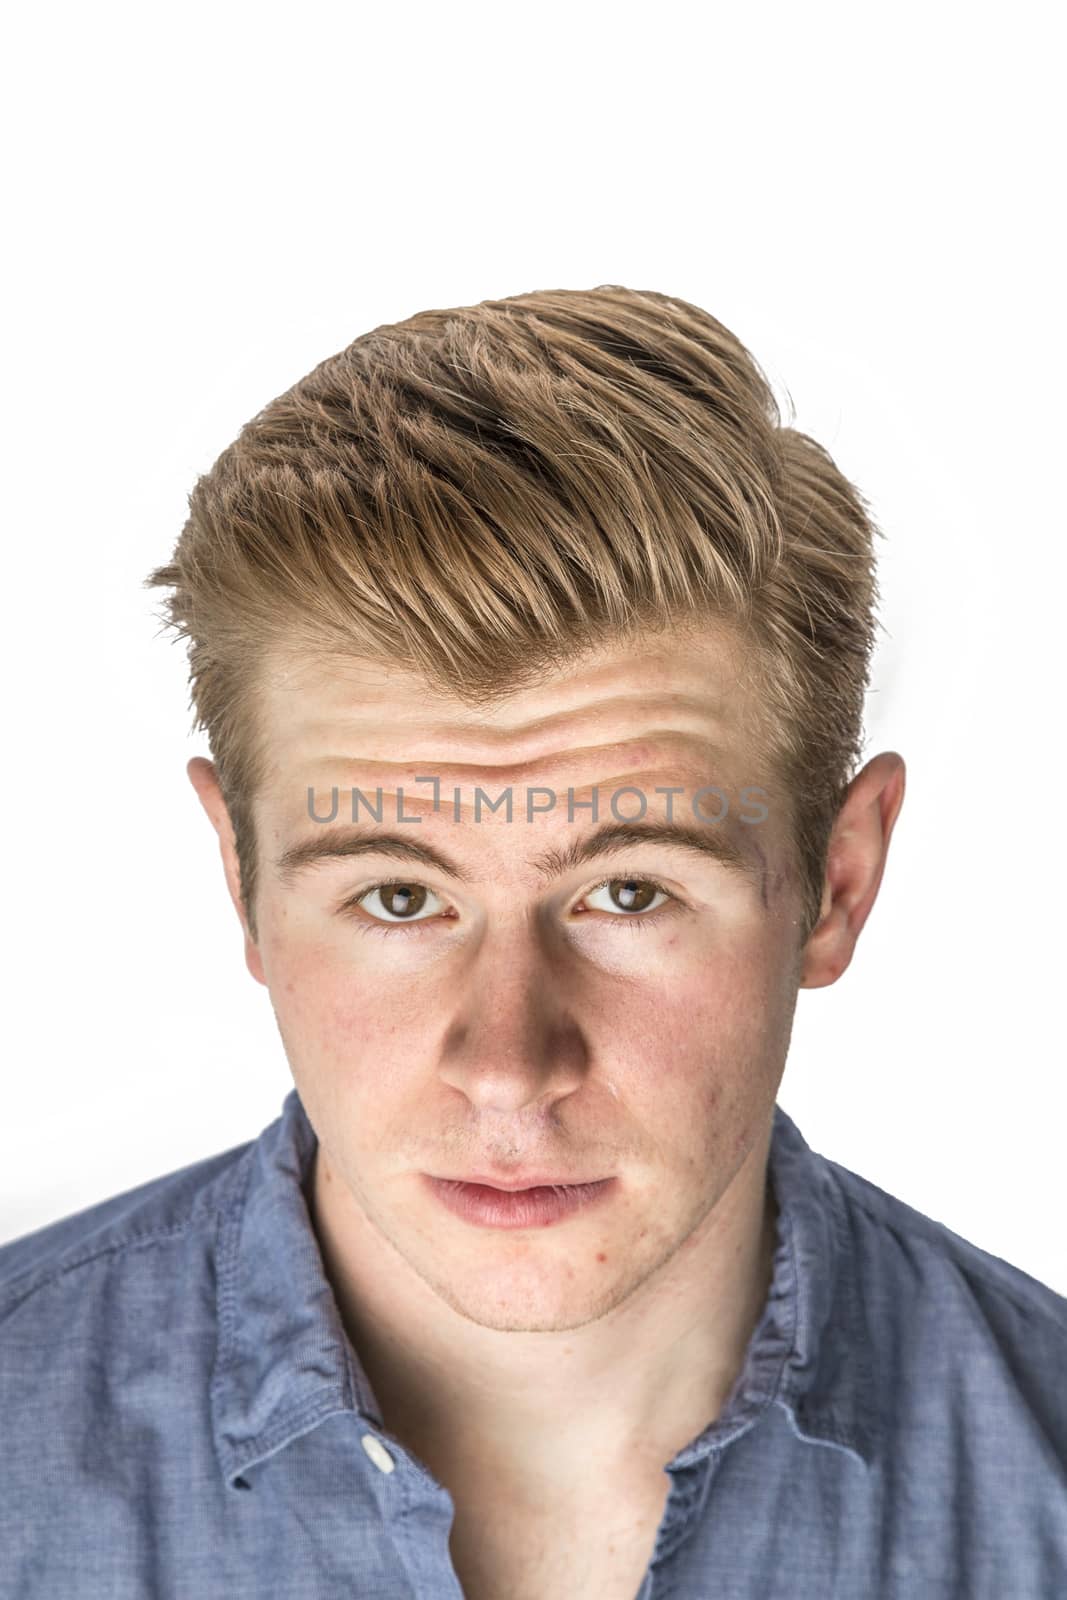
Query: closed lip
{"type": "Point", "coordinates": [534, 1181]}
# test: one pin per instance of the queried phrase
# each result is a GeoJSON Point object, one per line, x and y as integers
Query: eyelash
{"type": "Point", "coordinates": [640, 920]}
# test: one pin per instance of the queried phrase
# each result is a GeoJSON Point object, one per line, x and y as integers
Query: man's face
{"type": "Point", "coordinates": [522, 1018]}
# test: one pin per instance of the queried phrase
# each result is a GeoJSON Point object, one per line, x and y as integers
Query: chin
{"type": "Point", "coordinates": [540, 1308]}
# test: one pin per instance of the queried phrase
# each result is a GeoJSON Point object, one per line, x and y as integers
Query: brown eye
{"type": "Point", "coordinates": [632, 894]}
{"type": "Point", "coordinates": [403, 899]}
{"type": "Point", "coordinates": [397, 902]}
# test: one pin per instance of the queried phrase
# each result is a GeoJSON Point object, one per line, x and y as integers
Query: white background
{"type": "Point", "coordinates": [208, 201]}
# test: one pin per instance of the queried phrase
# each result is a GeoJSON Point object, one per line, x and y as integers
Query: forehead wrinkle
{"type": "Point", "coordinates": [602, 705]}
{"type": "Point", "coordinates": [471, 738]}
{"type": "Point", "coordinates": [421, 802]}
{"type": "Point", "coordinates": [537, 768]}
{"type": "Point", "coordinates": [573, 696]}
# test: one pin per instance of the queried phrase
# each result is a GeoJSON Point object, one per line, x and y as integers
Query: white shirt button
{"type": "Point", "coordinates": [378, 1453]}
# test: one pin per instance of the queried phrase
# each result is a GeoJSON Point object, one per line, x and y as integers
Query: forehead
{"type": "Point", "coordinates": [670, 712]}
{"type": "Point", "coordinates": [697, 687]}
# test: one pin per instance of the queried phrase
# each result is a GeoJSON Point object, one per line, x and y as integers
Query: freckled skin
{"type": "Point", "coordinates": [530, 1029]}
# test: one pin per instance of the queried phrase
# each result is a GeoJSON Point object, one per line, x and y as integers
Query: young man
{"type": "Point", "coordinates": [532, 651]}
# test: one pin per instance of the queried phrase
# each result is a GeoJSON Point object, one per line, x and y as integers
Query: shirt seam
{"type": "Point", "coordinates": [132, 1241]}
{"type": "Point", "coordinates": [211, 1216]}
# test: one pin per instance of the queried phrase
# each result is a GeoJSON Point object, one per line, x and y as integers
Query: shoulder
{"type": "Point", "coordinates": [964, 1345]}
{"type": "Point", "coordinates": [900, 1250]}
{"type": "Point", "coordinates": [115, 1243]}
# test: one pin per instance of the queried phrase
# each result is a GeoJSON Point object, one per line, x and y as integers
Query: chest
{"type": "Point", "coordinates": [535, 1553]}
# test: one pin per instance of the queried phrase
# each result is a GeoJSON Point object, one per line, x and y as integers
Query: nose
{"type": "Point", "coordinates": [514, 1037]}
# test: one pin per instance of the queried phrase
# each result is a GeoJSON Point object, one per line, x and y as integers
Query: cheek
{"type": "Point", "coordinates": [705, 1051]}
{"type": "Point", "coordinates": [329, 1011]}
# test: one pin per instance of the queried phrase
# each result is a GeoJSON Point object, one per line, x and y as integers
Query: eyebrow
{"type": "Point", "coordinates": [611, 838]}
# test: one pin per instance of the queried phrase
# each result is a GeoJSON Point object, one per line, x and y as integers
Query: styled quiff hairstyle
{"type": "Point", "coordinates": [480, 495]}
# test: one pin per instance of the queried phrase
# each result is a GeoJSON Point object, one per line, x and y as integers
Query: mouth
{"type": "Point", "coordinates": [535, 1206]}
{"type": "Point", "coordinates": [519, 1185]}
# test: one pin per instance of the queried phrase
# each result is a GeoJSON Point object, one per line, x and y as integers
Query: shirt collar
{"type": "Point", "coordinates": [284, 1363]}
{"type": "Point", "coordinates": [810, 1352]}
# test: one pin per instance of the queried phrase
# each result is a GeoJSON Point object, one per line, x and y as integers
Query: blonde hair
{"type": "Point", "coordinates": [480, 494]}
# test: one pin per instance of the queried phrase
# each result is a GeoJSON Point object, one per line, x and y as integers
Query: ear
{"type": "Point", "coordinates": [855, 862]}
{"type": "Point", "coordinates": [204, 779]}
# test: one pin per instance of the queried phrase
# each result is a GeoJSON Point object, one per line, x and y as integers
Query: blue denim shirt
{"type": "Point", "coordinates": [183, 1417]}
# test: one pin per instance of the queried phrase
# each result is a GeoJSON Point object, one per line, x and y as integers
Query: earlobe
{"type": "Point", "coordinates": [254, 961]}
{"type": "Point", "coordinates": [828, 944]}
